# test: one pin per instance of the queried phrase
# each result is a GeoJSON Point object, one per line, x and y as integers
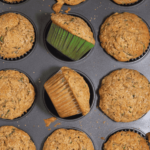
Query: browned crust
{"type": "Point", "coordinates": [124, 36]}
{"type": "Point", "coordinates": [126, 140]}
{"type": "Point", "coordinates": [125, 1]}
{"type": "Point", "coordinates": [14, 138]}
{"type": "Point", "coordinates": [17, 35]}
{"type": "Point", "coordinates": [125, 95]}
{"type": "Point", "coordinates": [16, 94]}
{"type": "Point", "coordinates": [68, 139]}
{"type": "Point", "coordinates": [74, 25]}
{"type": "Point", "coordinates": [13, 1]}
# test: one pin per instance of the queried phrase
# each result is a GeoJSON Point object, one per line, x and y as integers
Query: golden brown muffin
{"type": "Point", "coordinates": [68, 92]}
{"type": "Point", "coordinates": [16, 94]}
{"type": "Point", "coordinates": [122, 2]}
{"type": "Point", "coordinates": [125, 95]}
{"type": "Point", "coordinates": [63, 139]}
{"type": "Point", "coordinates": [57, 7]}
{"type": "Point", "coordinates": [16, 35]}
{"type": "Point", "coordinates": [124, 36]}
{"type": "Point", "coordinates": [12, 1]}
{"type": "Point", "coordinates": [126, 140]}
{"type": "Point", "coordinates": [12, 138]}
{"type": "Point", "coordinates": [74, 25]}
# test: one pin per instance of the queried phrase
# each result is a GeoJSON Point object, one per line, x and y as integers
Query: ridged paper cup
{"type": "Point", "coordinates": [68, 44]}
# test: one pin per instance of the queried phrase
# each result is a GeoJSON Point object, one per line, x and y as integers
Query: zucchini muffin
{"type": "Point", "coordinates": [126, 140]}
{"type": "Point", "coordinates": [16, 94]}
{"type": "Point", "coordinates": [124, 2]}
{"type": "Point", "coordinates": [70, 35]}
{"type": "Point", "coordinates": [124, 36]}
{"type": "Point", "coordinates": [16, 35]}
{"type": "Point", "coordinates": [68, 92]}
{"type": "Point", "coordinates": [57, 7]}
{"type": "Point", "coordinates": [63, 139]}
{"type": "Point", "coordinates": [125, 95]}
{"type": "Point", "coordinates": [12, 138]}
{"type": "Point", "coordinates": [12, 1]}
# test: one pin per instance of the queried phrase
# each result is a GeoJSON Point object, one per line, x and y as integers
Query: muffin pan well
{"type": "Point", "coordinates": [50, 107]}
{"type": "Point", "coordinates": [57, 54]}
{"type": "Point", "coordinates": [42, 62]}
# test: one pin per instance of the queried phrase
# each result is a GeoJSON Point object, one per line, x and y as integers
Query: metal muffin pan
{"type": "Point", "coordinates": [41, 64]}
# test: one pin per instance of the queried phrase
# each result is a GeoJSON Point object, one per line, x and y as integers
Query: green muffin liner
{"type": "Point", "coordinates": [68, 44]}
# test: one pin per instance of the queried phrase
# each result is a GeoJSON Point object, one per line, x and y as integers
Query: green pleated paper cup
{"type": "Point", "coordinates": [68, 44]}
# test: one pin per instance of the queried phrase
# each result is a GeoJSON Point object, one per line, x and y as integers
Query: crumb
{"type": "Point", "coordinates": [96, 121]}
{"type": "Point", "coordinates": [66, 11]}
{"type": "Point", "coordinates": [33, 72]}
{"type": "Point", "coordinates": [102, 138]}
{"type": "Point", "coordinates": [99, 127]}
{"type": "Point", "coordinates": [49, 121]}
{"type": "Point", "coordinates": [49, 5]}
{"type": "Point", "coordinates": [49, 129]}
{"type": "Point", "coordinates": [57, 124]}
{"type": "Point", "coordinates": [104, 122]}
{"type": "Point", "coordinates": [25, 125]}
{"type": "Point", "coordinates": [38, 126]}
{"type": "Point", "coordinates": [18, 125]}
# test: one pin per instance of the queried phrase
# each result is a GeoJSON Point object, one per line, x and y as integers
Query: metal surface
{"type": "Point", "coordinates": [41, 64]}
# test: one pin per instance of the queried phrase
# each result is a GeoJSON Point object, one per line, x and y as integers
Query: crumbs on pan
{"type": "Point", "coordinates": [102, 138]}
{"type": "Point", "coordinates": [57, 124]}
{"type": "Point", "coordinates": [49, 121]}
{"type": "Point", "coordinates": [66, 11]}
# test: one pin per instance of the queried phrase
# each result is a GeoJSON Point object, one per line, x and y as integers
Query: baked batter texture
{"type": "Point", "coordinates": [74, 25]}
{"type": "Point", "coordinates": [16, 94]}
{"type": "Point", "coordinates": [125, 95]}
{"type": "Point", "coordinates": [12, 138]}
{"type": "Point", "coordinates": [16, 35]}
{"type": "Point", "coordinates": [68, 92]}
{"type": "Point", "coordinates": [124, 36]}
{"type": "Point", "coordinates": [63, 139]}
{"type": "Point", "coordinates": [57, 7]}
{"type": "Point", "coordinates": [126, 140]}
{"type": "Point", "coordinates": [123, 2]}
{"type": "Point", "coordinates": [13, 1]}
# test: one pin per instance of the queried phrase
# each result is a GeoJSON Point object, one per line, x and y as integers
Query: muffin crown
{"type": "Point", "coordinates": [74, 25]}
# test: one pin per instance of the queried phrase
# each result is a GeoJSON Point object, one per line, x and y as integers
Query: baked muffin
{"type": "Point", "coordinates": [12, 1]}
{"type": "Point", "coordinates": [63, 139]}
{"type": "Point", "coordinates": [57, 7]}
{"type": "Point", "coordinates": [16, 94]}
{"type": "Point", "coordinates": [124, 2]}
{"type": "Point", "coordinates": [14, 138]}
{"type": "Point", "coordinates": [125, 95]}
{"type": "Point", "coordinates": [126, 140]}
{"type": "Point", "coordinates": [124, 36]}
{"type": "Point", "coordinates": [70, 35]}
{"type": "Point", "coordinates": [68, 92]}
{"type": "Point", "coordinates": [16, 35]}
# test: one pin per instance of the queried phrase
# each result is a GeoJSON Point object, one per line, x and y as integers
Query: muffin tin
{"type": "Point", "coordinates": [40, 65]}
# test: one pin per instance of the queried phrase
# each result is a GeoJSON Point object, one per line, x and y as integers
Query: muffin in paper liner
{"type": "Point", "coordinates": [68, 92]}
{"type": "Point", "coordinates": [70, 35]}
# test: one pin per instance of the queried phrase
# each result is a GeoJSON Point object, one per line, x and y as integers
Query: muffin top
{"type": "Point", "coordinates": [122, 2]}
{"type": "Point", "coordinates": [125, 95]}
{"type": "Point", "coordinates": [79, 88]}
{"type": "Point", "coordinates": [74, 25]}
{"type": "Point", "coordinates": [126, 140]}
{"type": "Point", "coordinates": [124, 36]}
{"type": "Point", "coordinates": [64, 139]}
{"type": "Point", "coordinates": [14, 138]}
{"type": "Point", "coordinates": [16, 94]}
{"type": "Point", "coordinates": [13, 1]}
{"type": "Point", "coordinates": [16, 35]}
{"type": "Point", "coordinates": [57, 7]}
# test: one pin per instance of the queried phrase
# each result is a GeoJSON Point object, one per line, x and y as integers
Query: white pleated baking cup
{"type": "Point", "coordinates": [34, 43]}
{"type": "Point", "coordinates": [142, 134]}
